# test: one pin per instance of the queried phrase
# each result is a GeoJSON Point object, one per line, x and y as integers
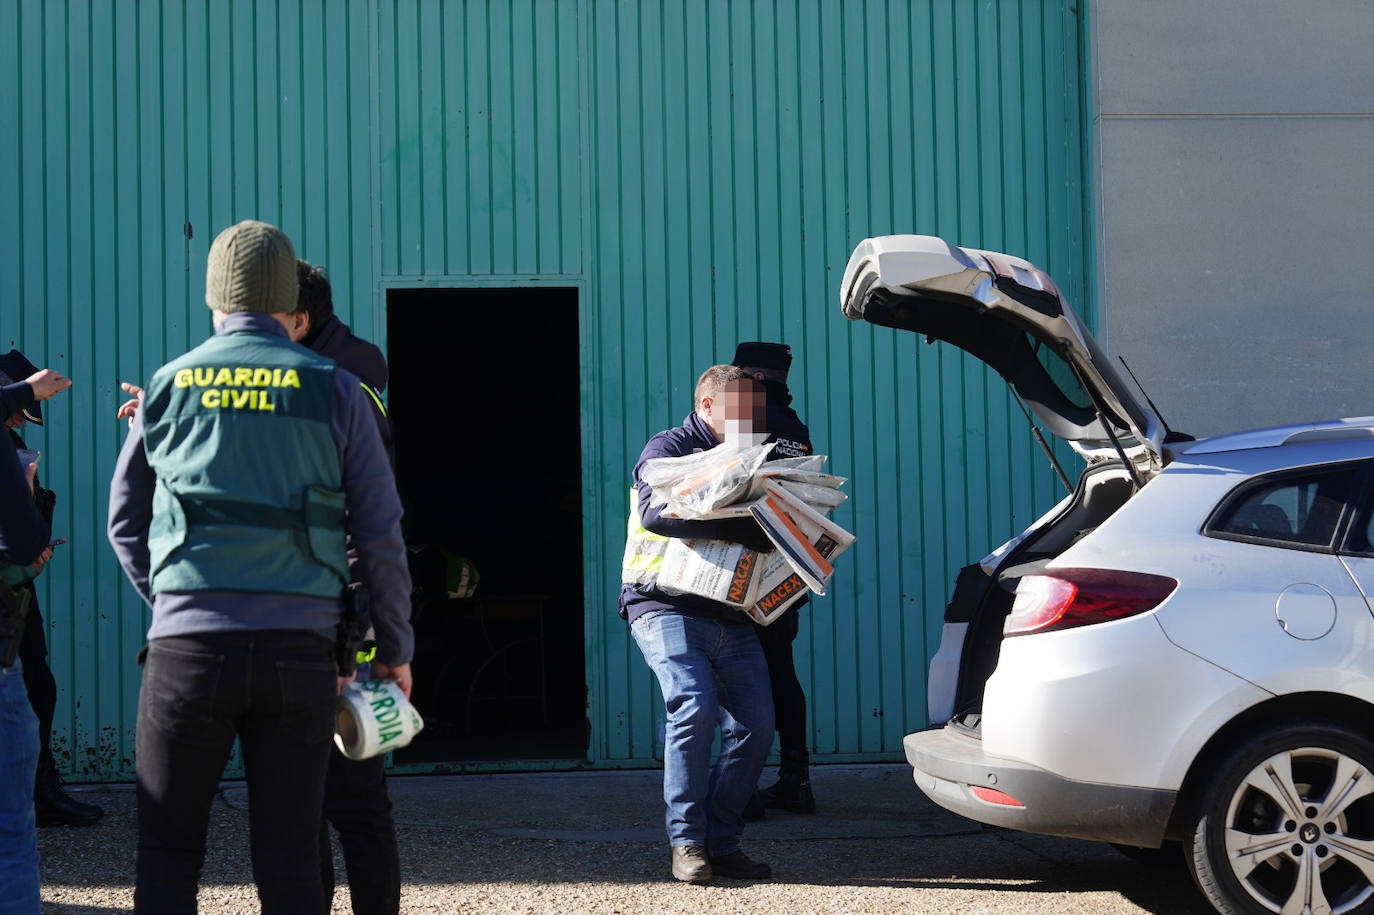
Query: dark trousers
{"type": "Point", "coordinates": [275, 691]}
{"type": "Point", "coordinates": [39, 681]}
{"type": "Point", "coordinates": [789, 701]}
{"type": "Point", "coordinates": [356, 802]}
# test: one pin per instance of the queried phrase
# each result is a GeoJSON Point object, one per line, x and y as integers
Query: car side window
{"type": "Point", "coordinates": [1360, 540]}
{"type": "Point", "coordinates": [1301, 509]}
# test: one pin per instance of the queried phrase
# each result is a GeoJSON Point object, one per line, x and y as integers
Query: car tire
{"type": "Point", "coordinates": [1168, 855]}
{"type": "Point", "coordinates": [1288, 805]}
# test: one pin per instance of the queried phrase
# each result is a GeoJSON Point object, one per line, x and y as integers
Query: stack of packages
{"type": "Point", "coordinates": [789, 498]}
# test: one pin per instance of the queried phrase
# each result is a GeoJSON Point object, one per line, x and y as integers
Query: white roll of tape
{"type": "Point", "coordinates": [374, 717]}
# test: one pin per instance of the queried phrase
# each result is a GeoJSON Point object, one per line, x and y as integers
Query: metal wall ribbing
{"type": "Point", "coordinates": [698, 170]}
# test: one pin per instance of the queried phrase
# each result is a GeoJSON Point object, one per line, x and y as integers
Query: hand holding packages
{"type": "Point", "coordinates": [788, 498]}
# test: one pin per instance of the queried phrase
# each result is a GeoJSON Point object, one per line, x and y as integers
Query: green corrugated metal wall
{"type": "Point", "coordinates": [699, 171]}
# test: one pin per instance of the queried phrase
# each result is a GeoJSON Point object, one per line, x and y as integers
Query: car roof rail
{"type": "Point", "coordinates": [1331, 434]}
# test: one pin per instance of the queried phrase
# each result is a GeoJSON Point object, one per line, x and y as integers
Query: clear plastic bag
{"type": "Point", "coordinates": [694, 485]}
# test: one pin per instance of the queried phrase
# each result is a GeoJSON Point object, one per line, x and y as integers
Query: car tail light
{"type": "Point", "coordinates": [1067, 598]}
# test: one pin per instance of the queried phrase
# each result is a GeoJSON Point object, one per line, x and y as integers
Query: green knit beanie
{"type": "Point", "coordinates": [251, 267]}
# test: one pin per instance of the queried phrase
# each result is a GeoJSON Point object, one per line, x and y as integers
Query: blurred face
{"type": "Point", "coordinates": [738, 410]}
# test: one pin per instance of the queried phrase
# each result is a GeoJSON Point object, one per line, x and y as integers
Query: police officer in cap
{"type": "Point", "coordinates": [23, 537]}
{"type": "Point", "coordinates": [769, 364]}
{"type": "Point", "coordinates": [52, 805]}
{"type": "Point", "coordinates": [248, 464]}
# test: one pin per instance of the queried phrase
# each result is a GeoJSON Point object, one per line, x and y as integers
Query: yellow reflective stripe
{"type": "Point", "coordinates": [644, 550]}
{"type": "Point", "coordinates": [635, 528]}
{"type": "Point", "coordinates": [373, 394]}
{"type": "Point", "coordinates": [644, 562]}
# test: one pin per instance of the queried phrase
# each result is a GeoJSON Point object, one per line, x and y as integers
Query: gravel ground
{"type": "Point", "coordinates": [593, 842]}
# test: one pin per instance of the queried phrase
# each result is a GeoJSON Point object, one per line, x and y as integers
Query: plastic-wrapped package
{"type": "Point", "coordinates": [804, 462]}
{"type": "Point", "coordinates": [693, 485]}
{"type": "Point", "coordinates": [789, 498]}
{"type": "Point", "coordinates": [715, 569]}
{"type": "Point", "coordinates": [797, 475]}
{"type": "Point", "coordinates": [821, 498]}
{"type": "Point", "coordinates": [805, 538]}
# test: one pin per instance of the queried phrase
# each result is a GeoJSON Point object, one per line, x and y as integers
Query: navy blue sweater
{"type": "Point", "coordinates": [692, 436]}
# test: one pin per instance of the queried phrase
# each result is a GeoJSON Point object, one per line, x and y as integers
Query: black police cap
{"type": "Point", "coordinates": [763, 356]}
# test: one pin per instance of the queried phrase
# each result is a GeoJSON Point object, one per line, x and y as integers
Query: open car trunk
{"type": "Point", "coordinates": [1009, 314]}
{"type": "Point", "coordinates": [983, 593]}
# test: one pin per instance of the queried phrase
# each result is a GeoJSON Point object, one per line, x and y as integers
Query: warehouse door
{"type": "Point", "coordinates": [485, 400]}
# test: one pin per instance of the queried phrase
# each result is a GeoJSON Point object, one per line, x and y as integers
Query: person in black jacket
{"type": "Point", "coordinates": [23, 538]}
{"type": "Point", "coordinates": [769, 363]}
{"type": "Point", "coordinates": [355, 796]}
{"type": "Point", "coordinates": [52, 805]}
{"type": "Point", "coordinates": [328, 336]}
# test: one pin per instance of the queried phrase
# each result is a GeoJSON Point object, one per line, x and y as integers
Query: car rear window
{"type": "Point", "coordinates": [1060, 372]}
{"type": "Point", "coordinates": [1299, 509]}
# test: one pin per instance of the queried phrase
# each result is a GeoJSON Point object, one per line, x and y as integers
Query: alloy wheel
{"type": "Point", "coordinates": [1299, 832]}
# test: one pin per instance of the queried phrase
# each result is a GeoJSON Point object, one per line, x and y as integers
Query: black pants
{"type": "Point", "coordinates": [789, 702]}
{"type": "Point", "coordinates": [38, 680]}
{"type": "Point", "coordinates": [356, 802]}
{"type": "Point", "coordinates": [275, 691]}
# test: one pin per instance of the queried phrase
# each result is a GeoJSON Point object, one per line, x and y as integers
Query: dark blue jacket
{"type": "Point", "coordinates": [784, 426]}
{"type": "Point", "coordinates": [15, 397]}
{"type": "Point", "coordinates": [692, 436]}
{"type": "Point", "coordinates": [335, 340]}
{"type": "Point", "coordinates": [23, 532]}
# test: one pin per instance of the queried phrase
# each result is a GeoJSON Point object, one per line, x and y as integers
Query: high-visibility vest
{"type": "Point", "coordinates": [644, 549]}
{"type": "Point", "coordinates": [249, 493]}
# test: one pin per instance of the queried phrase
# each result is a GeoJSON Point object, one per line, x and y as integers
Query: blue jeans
{"type": "Point", "coordinates": [711, 672]}
{"type": "Point", "coordinates": [18, 762]}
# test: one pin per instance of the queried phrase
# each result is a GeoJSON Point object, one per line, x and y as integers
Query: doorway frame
{"type": "Point", "coordinates": [592, 507]}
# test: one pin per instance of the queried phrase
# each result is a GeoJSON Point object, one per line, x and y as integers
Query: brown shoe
{"type": "Point", "coordinates": [690, 864]}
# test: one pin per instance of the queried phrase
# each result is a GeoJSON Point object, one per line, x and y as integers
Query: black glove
{"type": "Point", "coordinates": [746, 531]}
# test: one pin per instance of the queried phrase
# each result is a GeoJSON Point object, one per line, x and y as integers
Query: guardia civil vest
{"type": "Point", "coordinates": [644, 550]}
{"type": "Point", "coordinates": [249, 492]}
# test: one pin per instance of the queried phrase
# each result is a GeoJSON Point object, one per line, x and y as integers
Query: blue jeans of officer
{"type": "Point", "coordinates": [712, 673]}
{"type": "Point", "coordinates": [18, 762]}
{"type": "Point", "coordinates": [275, 691]}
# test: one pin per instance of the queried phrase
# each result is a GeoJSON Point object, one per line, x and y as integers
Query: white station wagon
{"type": "Point", "coordinates": [1182, 650]}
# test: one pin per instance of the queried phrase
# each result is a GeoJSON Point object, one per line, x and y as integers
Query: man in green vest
{"type": "Point", "coordinates": [248, 463]}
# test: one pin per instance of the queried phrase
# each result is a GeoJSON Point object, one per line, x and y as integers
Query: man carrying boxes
{"type": "Point", "coordinates": [704, 653]}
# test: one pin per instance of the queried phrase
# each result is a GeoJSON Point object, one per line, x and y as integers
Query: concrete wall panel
{"type": "Point", "coordinates": [1234, 189]}
{"type": "Point", "coordinates": [1234, 56]}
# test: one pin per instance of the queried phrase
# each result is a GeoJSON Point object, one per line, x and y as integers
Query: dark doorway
{"type": "Point", "coordinates": [485, 399]}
